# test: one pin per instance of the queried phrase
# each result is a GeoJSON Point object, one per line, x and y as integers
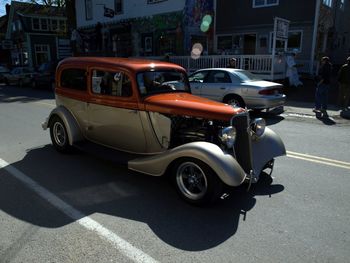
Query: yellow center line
{"type": "Point", "coordinates": [318, 158]}
{"type": "Point", "coordinates": [315, 160]}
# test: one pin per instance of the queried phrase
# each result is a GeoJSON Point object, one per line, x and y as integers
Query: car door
{"type": "Point", "coordinates": [217, 82]}
{"type": "Point", "coordinates": [197, 81]}
{"type": "Point", "coordinates": [114, 118]}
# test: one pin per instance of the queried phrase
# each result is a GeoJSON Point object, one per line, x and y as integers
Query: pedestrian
{"type": "Point", "coordinates": [292, 72]}
{"type": "Point", "coordinates": [232, 63]}
{"type": "Point", "coordinates": [344, 85]}
{"type": "Point", "coordinates": [76, 42]}
{"type": "Point", "coordinates": [324, 80]}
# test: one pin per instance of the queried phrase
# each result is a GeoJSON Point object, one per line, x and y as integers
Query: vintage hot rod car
{"type": "Point", "coordinates": [145, 112]}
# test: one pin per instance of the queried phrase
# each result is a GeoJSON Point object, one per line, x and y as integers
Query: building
{"type": "Point", "coordinates": [317, 27]}
{"type": "Point", "coordinates": [143, 28]}
{"type": "Point", "coordinates": [38, 33]}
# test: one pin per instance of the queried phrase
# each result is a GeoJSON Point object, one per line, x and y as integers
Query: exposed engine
{"type": "Point", "coordinates": [189, 129]}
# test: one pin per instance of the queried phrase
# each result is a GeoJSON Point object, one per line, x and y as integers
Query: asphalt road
{"type": "Point", "coordinates": [80, 208]}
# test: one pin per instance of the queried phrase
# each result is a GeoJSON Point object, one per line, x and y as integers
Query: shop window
{"type": "Point", "coordinates": [294, 41]}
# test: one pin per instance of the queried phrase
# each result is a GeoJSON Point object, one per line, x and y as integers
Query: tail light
{"type": "Point", "coordinates": [273, 91]}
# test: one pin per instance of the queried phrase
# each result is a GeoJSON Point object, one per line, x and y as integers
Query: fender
{"type": "Point", "coordinates": [266, 148]}
{"type": "Point", "coordinates": [73, 129]}
{"type": "Point", "coordinates": [223, 164]}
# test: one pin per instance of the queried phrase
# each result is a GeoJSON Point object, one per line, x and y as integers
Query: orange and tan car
{"type": "Point", "coordinates": [143, 113]}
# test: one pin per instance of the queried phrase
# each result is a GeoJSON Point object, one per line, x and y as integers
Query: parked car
{"type": "Point", "coordinates": [45, 75]}
{"type": "Point", "coordinates": [3, 70]}
{"type": "Point", "coordinates": [145, 112]}
{"type": "Point", "coordinates": [20, 76]}
{"type": "Point", "coordinates": [237, 87]}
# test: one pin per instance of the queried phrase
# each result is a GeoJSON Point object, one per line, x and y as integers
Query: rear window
{"type": "Point", "coordinates": [73, 79]}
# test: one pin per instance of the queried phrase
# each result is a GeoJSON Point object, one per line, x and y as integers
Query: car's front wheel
{"type": "Point", "coordinates": [59, 135]}
{"type": "Point", "coordinates": [196, 182]}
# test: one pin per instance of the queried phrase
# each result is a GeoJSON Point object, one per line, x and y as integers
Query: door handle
{"type": "Point", "coordinates": [223, 88]}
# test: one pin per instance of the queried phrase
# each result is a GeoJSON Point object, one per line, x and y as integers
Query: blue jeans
{"type": "Point", "coordinates": [321, 96]}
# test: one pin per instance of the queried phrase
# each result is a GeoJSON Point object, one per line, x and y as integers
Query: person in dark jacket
{"type": "Point", "coordinates": [344, 85]}
{"type": "Point", "coordinates": [321, 96]}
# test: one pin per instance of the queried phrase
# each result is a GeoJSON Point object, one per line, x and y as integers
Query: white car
{"type": "Point", "coordinates": [237, 87]}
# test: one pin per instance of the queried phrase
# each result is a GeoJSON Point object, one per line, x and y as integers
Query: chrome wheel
{"type": "Point", "coordinates": [59, 134]}
{"type": "Point", "coordinates": [191, 180]}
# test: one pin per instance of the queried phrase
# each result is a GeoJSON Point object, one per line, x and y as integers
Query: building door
{"type": "Point", "coordinates": [249, 44]}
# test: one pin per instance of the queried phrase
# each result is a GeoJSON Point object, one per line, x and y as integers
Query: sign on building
{"type": "Point", "coordinates": [280, 32]}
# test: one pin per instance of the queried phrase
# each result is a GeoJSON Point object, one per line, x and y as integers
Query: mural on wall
{"type": "Point", "coordinates": [195, 12]}
{"type": "Point", "coordinates": [161, 34]}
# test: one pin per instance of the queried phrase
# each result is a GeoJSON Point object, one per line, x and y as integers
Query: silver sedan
{"type": "Point", "coordinates": [237, 87]}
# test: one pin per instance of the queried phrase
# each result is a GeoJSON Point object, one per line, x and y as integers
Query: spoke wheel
{"type": "Point", "coordinates": [196, 182]}
{"type": "Point", "coordinates": [59, 135]}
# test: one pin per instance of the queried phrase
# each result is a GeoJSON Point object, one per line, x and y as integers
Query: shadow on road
{"type": "Point", "coordinates": [10, 94]}
{"type": "Point", "coordinates": [92, 185]}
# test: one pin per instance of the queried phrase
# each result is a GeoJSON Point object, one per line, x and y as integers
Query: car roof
{"type": "Point", "coordinates": [132, 64]}
{"type": "Point", "coordinates": [222, 69]}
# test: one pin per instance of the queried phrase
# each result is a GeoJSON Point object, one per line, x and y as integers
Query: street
{"type": "Point", "coordinates": [80, 208]}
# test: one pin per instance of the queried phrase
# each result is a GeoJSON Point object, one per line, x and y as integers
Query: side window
{"type": "Point", "coordinates": [111, 83]}
{"type": "Point", "coordinates": [73, 79]}
{"type": "Point", "coordinates": [219, 77]}
{"type": "Point", "coordinates": [198, 77]}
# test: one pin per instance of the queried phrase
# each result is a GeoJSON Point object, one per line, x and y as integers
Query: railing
{"type": "Point", "coordinates": [258, 64]}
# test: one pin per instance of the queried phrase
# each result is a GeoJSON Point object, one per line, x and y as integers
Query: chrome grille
{"type": "Point", "coordinates": [243, 149]}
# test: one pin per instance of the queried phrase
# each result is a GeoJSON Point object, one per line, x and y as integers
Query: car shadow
{"type": "Point", "coordinates": [93, 185]}
{"type": "Point", "coordinates": [271, 117]}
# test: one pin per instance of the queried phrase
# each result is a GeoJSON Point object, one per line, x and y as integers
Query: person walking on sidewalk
{"type": "Point", "coordinates": [321, 96]}
{"type": "Point", "coordinates": [344, 85]}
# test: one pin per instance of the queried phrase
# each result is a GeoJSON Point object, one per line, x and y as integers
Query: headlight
{"type": "Point", "coordinates": [228, 136]}
{"type": "Point", "coordinates": [258, 126]}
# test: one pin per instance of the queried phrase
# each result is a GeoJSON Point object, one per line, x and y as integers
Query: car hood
{"type": "Point", "coordinates": [261, 84]}
{"type": "Point", "coordinates": [189, 105]}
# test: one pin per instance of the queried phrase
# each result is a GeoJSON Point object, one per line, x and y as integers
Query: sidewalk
{"type": "Point", "coordinates": [301, 100]}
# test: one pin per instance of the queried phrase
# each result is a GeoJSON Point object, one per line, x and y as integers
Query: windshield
{"type": "Point", "coordinates": [246, 76]}
{"type": "Point", "coordinates": [155, 82]}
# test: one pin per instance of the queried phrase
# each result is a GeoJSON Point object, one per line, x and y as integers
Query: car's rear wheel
{"type": "Point", "coordinates": [196, 182]}
{"type": "Point", "coordinates": [59, 135]}
{"type": "Point", "coordinates": [234, 100]}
